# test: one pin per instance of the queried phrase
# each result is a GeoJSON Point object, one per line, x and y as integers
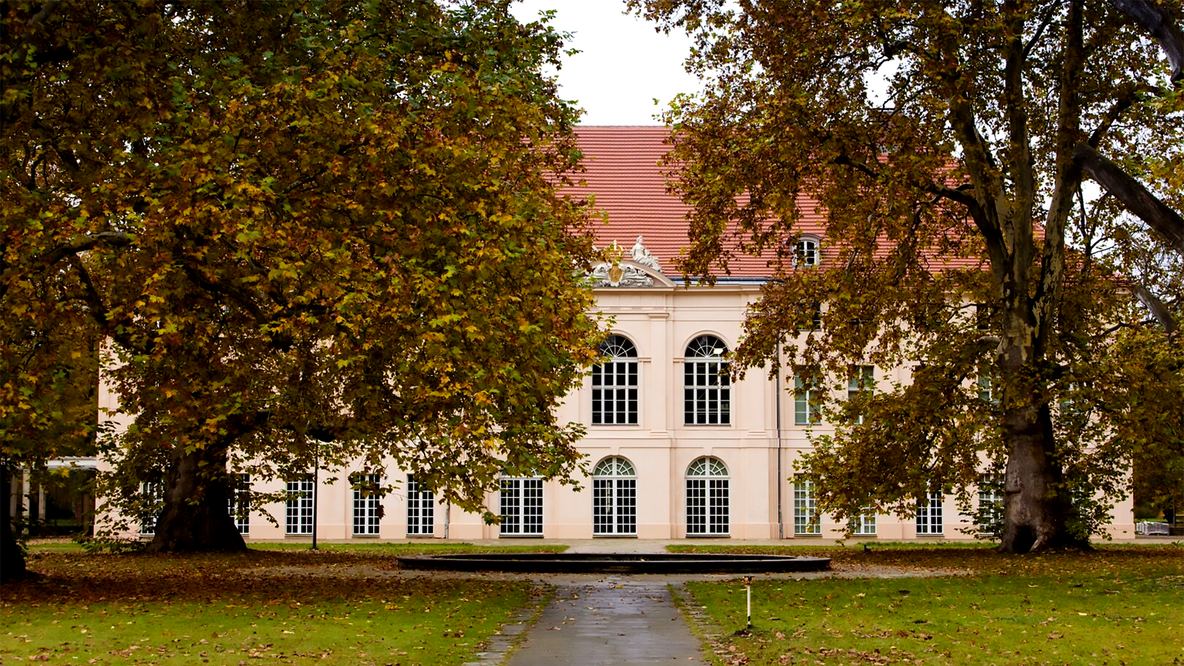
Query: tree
{"type": "Point", "coordinates": [949, 214]}
{"type": "Point", "coordinates": [311, 232]}
{"type": "Point", "coordinates": [48, 386]}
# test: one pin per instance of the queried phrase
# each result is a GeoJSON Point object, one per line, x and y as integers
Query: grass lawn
{"type": "Point", "coordinates": [268, 605]}
{"type": "Point", "coordinates": [1116, 605]}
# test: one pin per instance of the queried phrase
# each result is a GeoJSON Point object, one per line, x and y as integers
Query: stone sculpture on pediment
{"type": "Point", "coordinates": [640, 269]}
{"type": "Point", "coordinates": [644, 256]}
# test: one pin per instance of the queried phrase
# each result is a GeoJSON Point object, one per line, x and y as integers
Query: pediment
{"type": "Point", "coordinates": [627, 273]}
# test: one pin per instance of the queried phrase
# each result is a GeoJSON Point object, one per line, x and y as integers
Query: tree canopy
{"type": "Point", "coordinates": [961, 240]}
{"type": "Point", "coordinates": [311, 231]}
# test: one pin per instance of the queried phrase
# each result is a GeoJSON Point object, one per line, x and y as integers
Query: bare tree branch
{"type": "Point", "coordinates": [46, 10]}
{"type": "Point", "coordinates": [1157, 21]}
{"type": "Point", "coordinates": [1136, 198]}
{"type": "Point", "coordinates": [1158, 310]}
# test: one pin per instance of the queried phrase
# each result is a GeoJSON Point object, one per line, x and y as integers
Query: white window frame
{"type": "Point", "coordinates": [240, 495]}
{"type": "Point", "coordinates": [806, 253]}
{"type": "Point", "coordinates": [521, 504]}
{"type": "Point", "coordinates": [806, 408]}
{"type": "Point", "coordinates": [614, 498]}
{"type": "Point", "coordinates": [615, 384]}
{"type": "Point", "coordinates": [152, 493]}
{"type": "Point", "coordinates": [298, 514]}
{"type": "Point", "coordinates": [986, 390]}
{"type": "Point", "coordinates": [862, 378]}
{"type": "Point", "coordinates": [421, 509]}
{"type": "Point", "coordinates": [708, 487]}
{"type": "Point", "coordinates": [864, 524]}
{"type": "Point", "coordinates": [707, 386]}
{"type": "Point", "coordinates": [990, 499]}
{"type": "Point", "coordinates": [806, 519]}
{"type": "Point", "coordinates": [929, 514]}
{"type": "Point", "coordinates": [367, 504]}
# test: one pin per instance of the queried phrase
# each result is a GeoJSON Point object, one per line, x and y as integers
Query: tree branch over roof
{"type": "Point", "coordinates": [1136, 198]}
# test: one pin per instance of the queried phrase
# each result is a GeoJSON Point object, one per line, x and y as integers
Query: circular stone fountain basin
{"type": "Point", "coordinates": [650, 563]}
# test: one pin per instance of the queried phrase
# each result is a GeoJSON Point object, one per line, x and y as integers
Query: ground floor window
{"type": "Point", "coordinates": [929, 519]}
{"type": "Point", "coordinates": [708, 493]}
{"type": "Point", "coordinates": [614, 498]}
{"type": "Point", "coordinates": [367, 504]}
{"type": "Point", "coordinates": [298, 517]}
{"type": "Point", "coordinates": [240, 502]}
{"type": "Point", "coordinates": [989, 516]}
{"type": "Point", "coordinates": [806, 521]}
{"type": "Point", "coordinates": [151, 504]}
{"type": "Point", "coordinates": [522, 507]}
{"type": "Point", "coordinates": [864, 524]}
{"type": "Point", "coordinates": [421, 504]}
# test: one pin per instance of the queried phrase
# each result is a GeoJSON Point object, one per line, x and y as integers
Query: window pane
{"type": "Point", "coordinates": [522, 507]}
{"type": "Point", "coordinates": [806, 520]}
{"type": "Point", "coordinates": [152, 494]}
{"type": "Point", "coordinates": [240, 502]}
{"type": "Point", "coordinates": [298, 514]}
{"type": "Point", "coordinates": [929, 514]}
{"type": "Point", "coordinates": [614, 396]}
{"type": "Point", "coordinates": [367, 504]}
{"type": "Point", "coordinates": [708, 498]}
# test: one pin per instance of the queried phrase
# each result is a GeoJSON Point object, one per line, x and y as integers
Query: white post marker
{"type": "Point", "coordinates": [748, 591]}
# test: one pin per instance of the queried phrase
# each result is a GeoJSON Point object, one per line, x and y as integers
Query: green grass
{"type": "Point", "coordinates": [399, 549]}
{"type": "Point", "coordinates": [1117, 605]}
{"type": "Point", "coordinates": [339, 605]}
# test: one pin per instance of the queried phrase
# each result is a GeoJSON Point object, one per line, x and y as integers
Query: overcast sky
{"type": "Point", "coordinates": [623, 64]}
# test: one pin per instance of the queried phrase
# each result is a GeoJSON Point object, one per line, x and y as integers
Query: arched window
{"type": "Point", "coordinates": [614, 498]}
{"type": "Point", "coordinates": [805, 253]}
{"type": "Point", "coordinates": [614, 383]}
{"type": "Point", "coordinates": [707, 498]}
{"type": "Point", "coordinates": [707, 393]}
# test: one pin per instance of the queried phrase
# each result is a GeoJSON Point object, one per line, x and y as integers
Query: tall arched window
{"type": "Point", "coordinates": [614, 498]}
{"type": "Point", "coordinates": [707, 498]}
{"type": "Point", "coordinates": [707, 392]}
{"type": "Point", "coordinates": [614, 383]}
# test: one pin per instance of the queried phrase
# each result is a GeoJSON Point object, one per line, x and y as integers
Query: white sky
{"type": "Point", "coordinates": [623, 65]}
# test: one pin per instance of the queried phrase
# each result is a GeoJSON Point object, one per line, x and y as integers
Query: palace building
{"type": "Point", "coordinates": [675, 448]}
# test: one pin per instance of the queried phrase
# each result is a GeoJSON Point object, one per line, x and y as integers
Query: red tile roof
{"type": "Point", "coordinates": [624, 174]}
{"type": "Point", "coordinates": [626, 178]}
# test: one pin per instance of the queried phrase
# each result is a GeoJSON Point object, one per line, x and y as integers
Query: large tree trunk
{"type": "Point", "coordinates": [1036, 501]}
{"type": "Point", "coordinates": [12, 558]}
{"type": "Point", "coordinates": [196, 515]}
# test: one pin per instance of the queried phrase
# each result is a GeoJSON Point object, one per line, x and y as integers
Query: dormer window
{"type": "Point", "coordinates": [806, 253]}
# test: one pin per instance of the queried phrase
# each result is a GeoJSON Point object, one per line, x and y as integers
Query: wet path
{"type": "Point", "coordinates": [611, 621]}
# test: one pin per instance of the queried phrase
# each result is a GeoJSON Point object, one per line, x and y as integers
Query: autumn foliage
{"type": "Point", "coordinates": [312, 233]}
{"type": "Point", "coordinates": [962, 241]}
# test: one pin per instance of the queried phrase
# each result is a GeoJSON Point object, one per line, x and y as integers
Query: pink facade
{"type": "Point", "coordinates": [679, 455]}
